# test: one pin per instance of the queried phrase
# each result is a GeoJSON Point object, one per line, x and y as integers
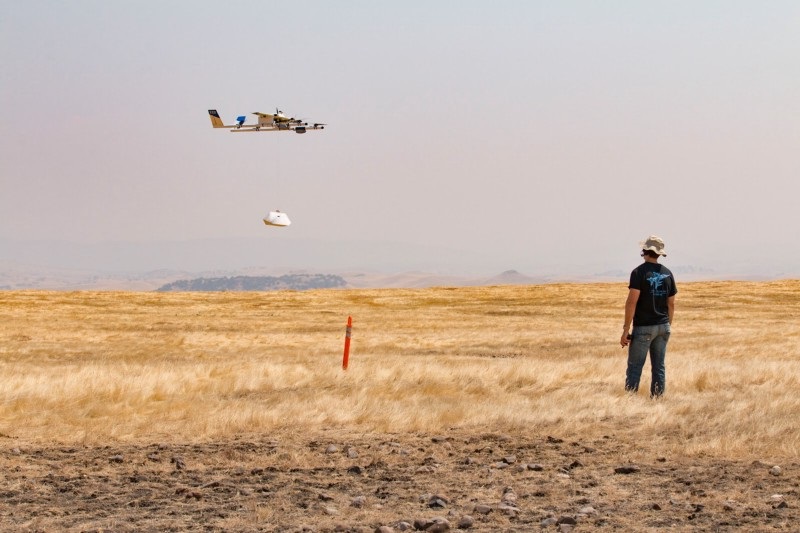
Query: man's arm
{"type": "Point", "coordinates": [630, 309]}
{"type": "Point", "coordinates": [671, 308]}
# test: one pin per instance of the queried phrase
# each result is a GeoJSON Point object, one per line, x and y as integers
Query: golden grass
{"type": "Point", "coordinates": [95, 367]}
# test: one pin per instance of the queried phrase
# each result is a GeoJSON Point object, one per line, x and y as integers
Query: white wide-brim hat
{"type": "Point", "coordinates": [654, 244]}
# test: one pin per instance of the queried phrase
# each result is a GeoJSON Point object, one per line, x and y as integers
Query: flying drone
{"type": "Point", "coordinates": [266, 122]}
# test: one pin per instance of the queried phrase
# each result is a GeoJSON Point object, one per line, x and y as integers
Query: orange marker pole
{"type": "Point", "coordinates": [347, 336]}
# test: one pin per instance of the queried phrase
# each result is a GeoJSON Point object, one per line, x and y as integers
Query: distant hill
{"type": "Point", "coordinates": [297, 282]}
{"type": "Point", "coordinates": [512, 277]}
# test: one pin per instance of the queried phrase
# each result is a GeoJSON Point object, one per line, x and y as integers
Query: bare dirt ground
{"type": "Point", "coordinates": [341, 481]}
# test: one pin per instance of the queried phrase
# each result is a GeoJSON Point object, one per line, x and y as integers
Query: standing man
{"type": "Point", "coordinates": [650, 306]}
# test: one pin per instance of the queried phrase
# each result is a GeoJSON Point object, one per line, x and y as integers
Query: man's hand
{"type": "Point", "coordinates": [630, 311]}
{"type": "Point", "coordinates": [625, 339]}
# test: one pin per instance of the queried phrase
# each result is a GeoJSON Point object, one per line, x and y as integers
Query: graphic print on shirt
{"type": "Point", "coordinates": [656, 281]}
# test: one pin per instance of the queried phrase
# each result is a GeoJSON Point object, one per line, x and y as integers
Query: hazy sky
{"type": "Point", "coordinates": [530, 133]}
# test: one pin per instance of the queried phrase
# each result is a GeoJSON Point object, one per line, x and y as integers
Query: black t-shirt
{"type": "Point", "coordinates": [655, 283]}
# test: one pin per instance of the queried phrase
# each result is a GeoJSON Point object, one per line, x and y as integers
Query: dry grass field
{"type": "Point", "coordinates": [493, 408]}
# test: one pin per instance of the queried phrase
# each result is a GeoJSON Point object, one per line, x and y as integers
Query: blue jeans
{"type": "Point", "coordinates": [654, 339]}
